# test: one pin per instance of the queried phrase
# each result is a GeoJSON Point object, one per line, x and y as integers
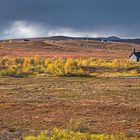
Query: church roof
{"type": "Point", "coordinates": [137, 54]}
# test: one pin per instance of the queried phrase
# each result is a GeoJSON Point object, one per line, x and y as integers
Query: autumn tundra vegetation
{"type": "Point", "coordinates": [36, 101]}
{"type": "Point", "coordinates": [57, 134]}
{"type": "Point", "coordinates": [32, 68]}
{"type": "Point", "coordinates": [27, 66]}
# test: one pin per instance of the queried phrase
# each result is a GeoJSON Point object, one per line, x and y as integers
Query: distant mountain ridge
{"type": "Point", "coordinates": [110, 39]}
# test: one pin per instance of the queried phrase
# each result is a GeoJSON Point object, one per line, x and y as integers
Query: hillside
{"type": "Point", "coordinates": [66, 47]}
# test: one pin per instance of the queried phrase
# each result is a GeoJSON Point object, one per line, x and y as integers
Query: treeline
{"type": "Point", "coordinates": [25, 66]}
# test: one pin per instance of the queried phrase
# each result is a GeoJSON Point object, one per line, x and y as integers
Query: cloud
{"type": "Point", "coordinates": [27, 29]}
{"type": "Point", "coordinates": [30, 29]}
{"type": "Point", "coordinates": [59, 31]}
{"type": "Point", "coordinates": [23, 29]}
{"type": "Point", "coordinates": [31, 18]}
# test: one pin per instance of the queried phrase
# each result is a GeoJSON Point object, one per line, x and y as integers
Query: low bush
{"type": "Point", "coordinates": [57, 134]}
{"type": "Point", "coordinates": [26, 66]}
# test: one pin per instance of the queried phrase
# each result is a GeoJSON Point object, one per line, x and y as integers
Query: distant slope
{"type": "Point", "coordinates": [111, 38]}
{"type": "Point", "coordinates": [137, 41]}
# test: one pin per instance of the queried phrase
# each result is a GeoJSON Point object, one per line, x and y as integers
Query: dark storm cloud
{"type": "Point", "coordinates": [91, 17]}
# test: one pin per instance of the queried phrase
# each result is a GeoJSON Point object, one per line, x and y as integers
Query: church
{"type": "Point", "coordinates": [135, 56]}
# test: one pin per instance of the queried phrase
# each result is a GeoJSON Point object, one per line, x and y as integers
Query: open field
{"type": "Point", "coordinates": [101, 105]}
{"type": "Point", "coordinates": [67, 48]}
{"type": "Point", "coordinates": [92, 103]}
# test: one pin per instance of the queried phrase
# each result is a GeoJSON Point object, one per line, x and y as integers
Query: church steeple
{"type": "Point", "coordinates": [134, 50]}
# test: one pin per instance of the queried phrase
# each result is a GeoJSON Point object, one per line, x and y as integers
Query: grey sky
{"type": "Point", "coordinates": [32, 18]}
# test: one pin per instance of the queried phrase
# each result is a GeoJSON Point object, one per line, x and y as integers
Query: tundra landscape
{"type": "Point", "coordinates": [73, 89]}
{"type": "Point", "coordinates": [69, 70]}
